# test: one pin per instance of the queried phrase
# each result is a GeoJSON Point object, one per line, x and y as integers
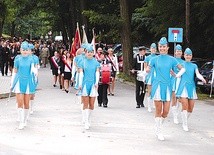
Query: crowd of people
{"type": "Point", "coordinates": [163, 79]}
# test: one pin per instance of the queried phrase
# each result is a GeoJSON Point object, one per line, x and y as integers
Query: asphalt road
{"type": "Point", "coordinates": [121, 129]}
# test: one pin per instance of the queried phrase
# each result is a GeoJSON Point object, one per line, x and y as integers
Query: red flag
{"type": "Point", "coordinates": [76, 42]}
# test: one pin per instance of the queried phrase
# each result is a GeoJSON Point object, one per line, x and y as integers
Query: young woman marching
{"type": "Point", "coordinates": [22, 83]}
{"type": "Point", "coordinates": [88, 83]}
{"type": "Point", "coordinates": [55, 67]}
{"type": "Point", "coordinates": [67, 61]}
{"type": "Point", "coordinates": [187, 89]}
{"type": "Point", "coordinates": [115, 70]}
{"type": "Point", "coordinates": [175, 84]}
{"type": "Point", "coordinates": [161, 86]}
{"type": "Point", "coordinates": [150, 76]}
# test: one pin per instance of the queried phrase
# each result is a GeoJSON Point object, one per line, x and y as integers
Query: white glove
{"type": "Point", "coordinates": [80, 79]}
{"type": "Point", "coordinates": [12, 80]}
{"type": "Point", "coordinates": [199, 76]}
{"type": "Point", "coordinates": [97, 77]}
{"type": "Point", "coordinates": [180, 73]}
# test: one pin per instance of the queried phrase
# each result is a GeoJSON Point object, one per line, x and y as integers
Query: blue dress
{"type": "Point", "coordinates": [161, 85]}
{"type": "Point", "coordinates": [89, 67]}
{"type": "Point", "coordinates": [150, 76]}
{"type": "Point", "coordinates": [23, 81]}
{"type": "Point", "coordinates": [187, 86]}
{"type": "Point", "coordinates": [176, 81]}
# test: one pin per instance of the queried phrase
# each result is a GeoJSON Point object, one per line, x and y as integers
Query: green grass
{"type": "Point", "coordinates": [203, 96]}
{"type": "Point", "coordinates": [128, 78]}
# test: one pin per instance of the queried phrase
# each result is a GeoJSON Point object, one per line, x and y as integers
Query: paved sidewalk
{"type": "Point", "coordinates": [121, 129]}
{"type": "Point", "coordinates": [4, 86]}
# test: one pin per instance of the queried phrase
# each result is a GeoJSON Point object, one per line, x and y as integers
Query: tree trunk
{"type": "Point", "coordinates": [72, 20]}
{"type": "Point", "coordinates": [84, 20]}
{"type": "Point", "coordinates": [2, 16]}
{"type": "Point", "coordinates": [13, 26]}
{"type": "Point", "coordinates": [1, 26]}
{"type": "Point", "coordinates": [126, 36]}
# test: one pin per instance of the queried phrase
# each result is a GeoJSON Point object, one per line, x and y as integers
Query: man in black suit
{"type": "Point", "coordinates": [138, 65]}
{"type": "Point", "coordinates": [5, 52]}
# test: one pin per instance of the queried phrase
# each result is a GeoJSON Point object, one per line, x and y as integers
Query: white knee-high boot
{"type": "Point", "coordinates": [21, 117]}
{"type": "Point", "coordinates": [26, 116]}
{"type": "Point", "coordinates": [31, 106]}
{"type": "Point", "coordinates": [188, 115]}
{"type": "Point", "coordinates": [158, 128]}
{"type": "Point", "coordinates": [184, 119]}
{"type": "Point", "coordinates": [83, 116]}
{"type": "Point", "coordinates": [149, 104]}
{"type": "Point", "coordinates": [175, 114]}
{"type": "Point", "coordinates": [89, 116]}
{"type": "Point", "coordinates": [18, 115]}
{"type": "Point", "coordinates": [86, 119]}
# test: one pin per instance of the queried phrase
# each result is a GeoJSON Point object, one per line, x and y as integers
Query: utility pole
{"type": "Point", "coordinates": [187, 22]}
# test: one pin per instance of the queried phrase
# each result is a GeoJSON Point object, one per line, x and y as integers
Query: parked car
{"type": "Point", "coordinates": [206, 71]}
{"type": "Point", "coordinates": [119, 53]}
{"type": "Point", "coordinates": [199, 62]}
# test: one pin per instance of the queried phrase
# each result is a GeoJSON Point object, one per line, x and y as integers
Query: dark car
{"type": "Point", "coordinates": [199, 62]}
{"type": "Point", "coordinates": [119, 53]}
{"type": "Point", "coordinates": [206, 71]}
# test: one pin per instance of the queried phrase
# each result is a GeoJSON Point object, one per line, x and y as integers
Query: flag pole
{"type": "Point", "coordinates": [78, 31]}
{"type": "Point", "coordinates": [93, 40]}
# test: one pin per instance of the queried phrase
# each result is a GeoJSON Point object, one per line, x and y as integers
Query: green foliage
{"type": "Point", "coordinates": [150, 19]}
{"type": "Point", "coordinates": [125, 77]}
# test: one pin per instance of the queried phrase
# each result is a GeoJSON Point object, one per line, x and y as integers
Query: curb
{"type": "Point", "coordinates": [6, 95]}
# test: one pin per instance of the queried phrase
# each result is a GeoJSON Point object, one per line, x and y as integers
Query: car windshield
{"type": "Point", "coordinates": [207, 65]}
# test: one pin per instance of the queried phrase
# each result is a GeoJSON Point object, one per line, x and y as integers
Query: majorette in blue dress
{"type": "Point", "coordinates": [161, 85]}
{"type": "Point", "coordinates": [23, 82]}
{"type": "Point", "coordinates": [187, 86]}
{"type": "Point", "coordinates": [89, 67]}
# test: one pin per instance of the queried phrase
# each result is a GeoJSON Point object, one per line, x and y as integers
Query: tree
{"type": "Point", "coordinates": [2, 15]}
{"type": "Point", "coordinates": [126, 35]}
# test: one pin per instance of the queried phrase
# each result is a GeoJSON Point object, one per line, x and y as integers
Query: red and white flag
{"type": "Point", "coordinates": [76, 42]}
